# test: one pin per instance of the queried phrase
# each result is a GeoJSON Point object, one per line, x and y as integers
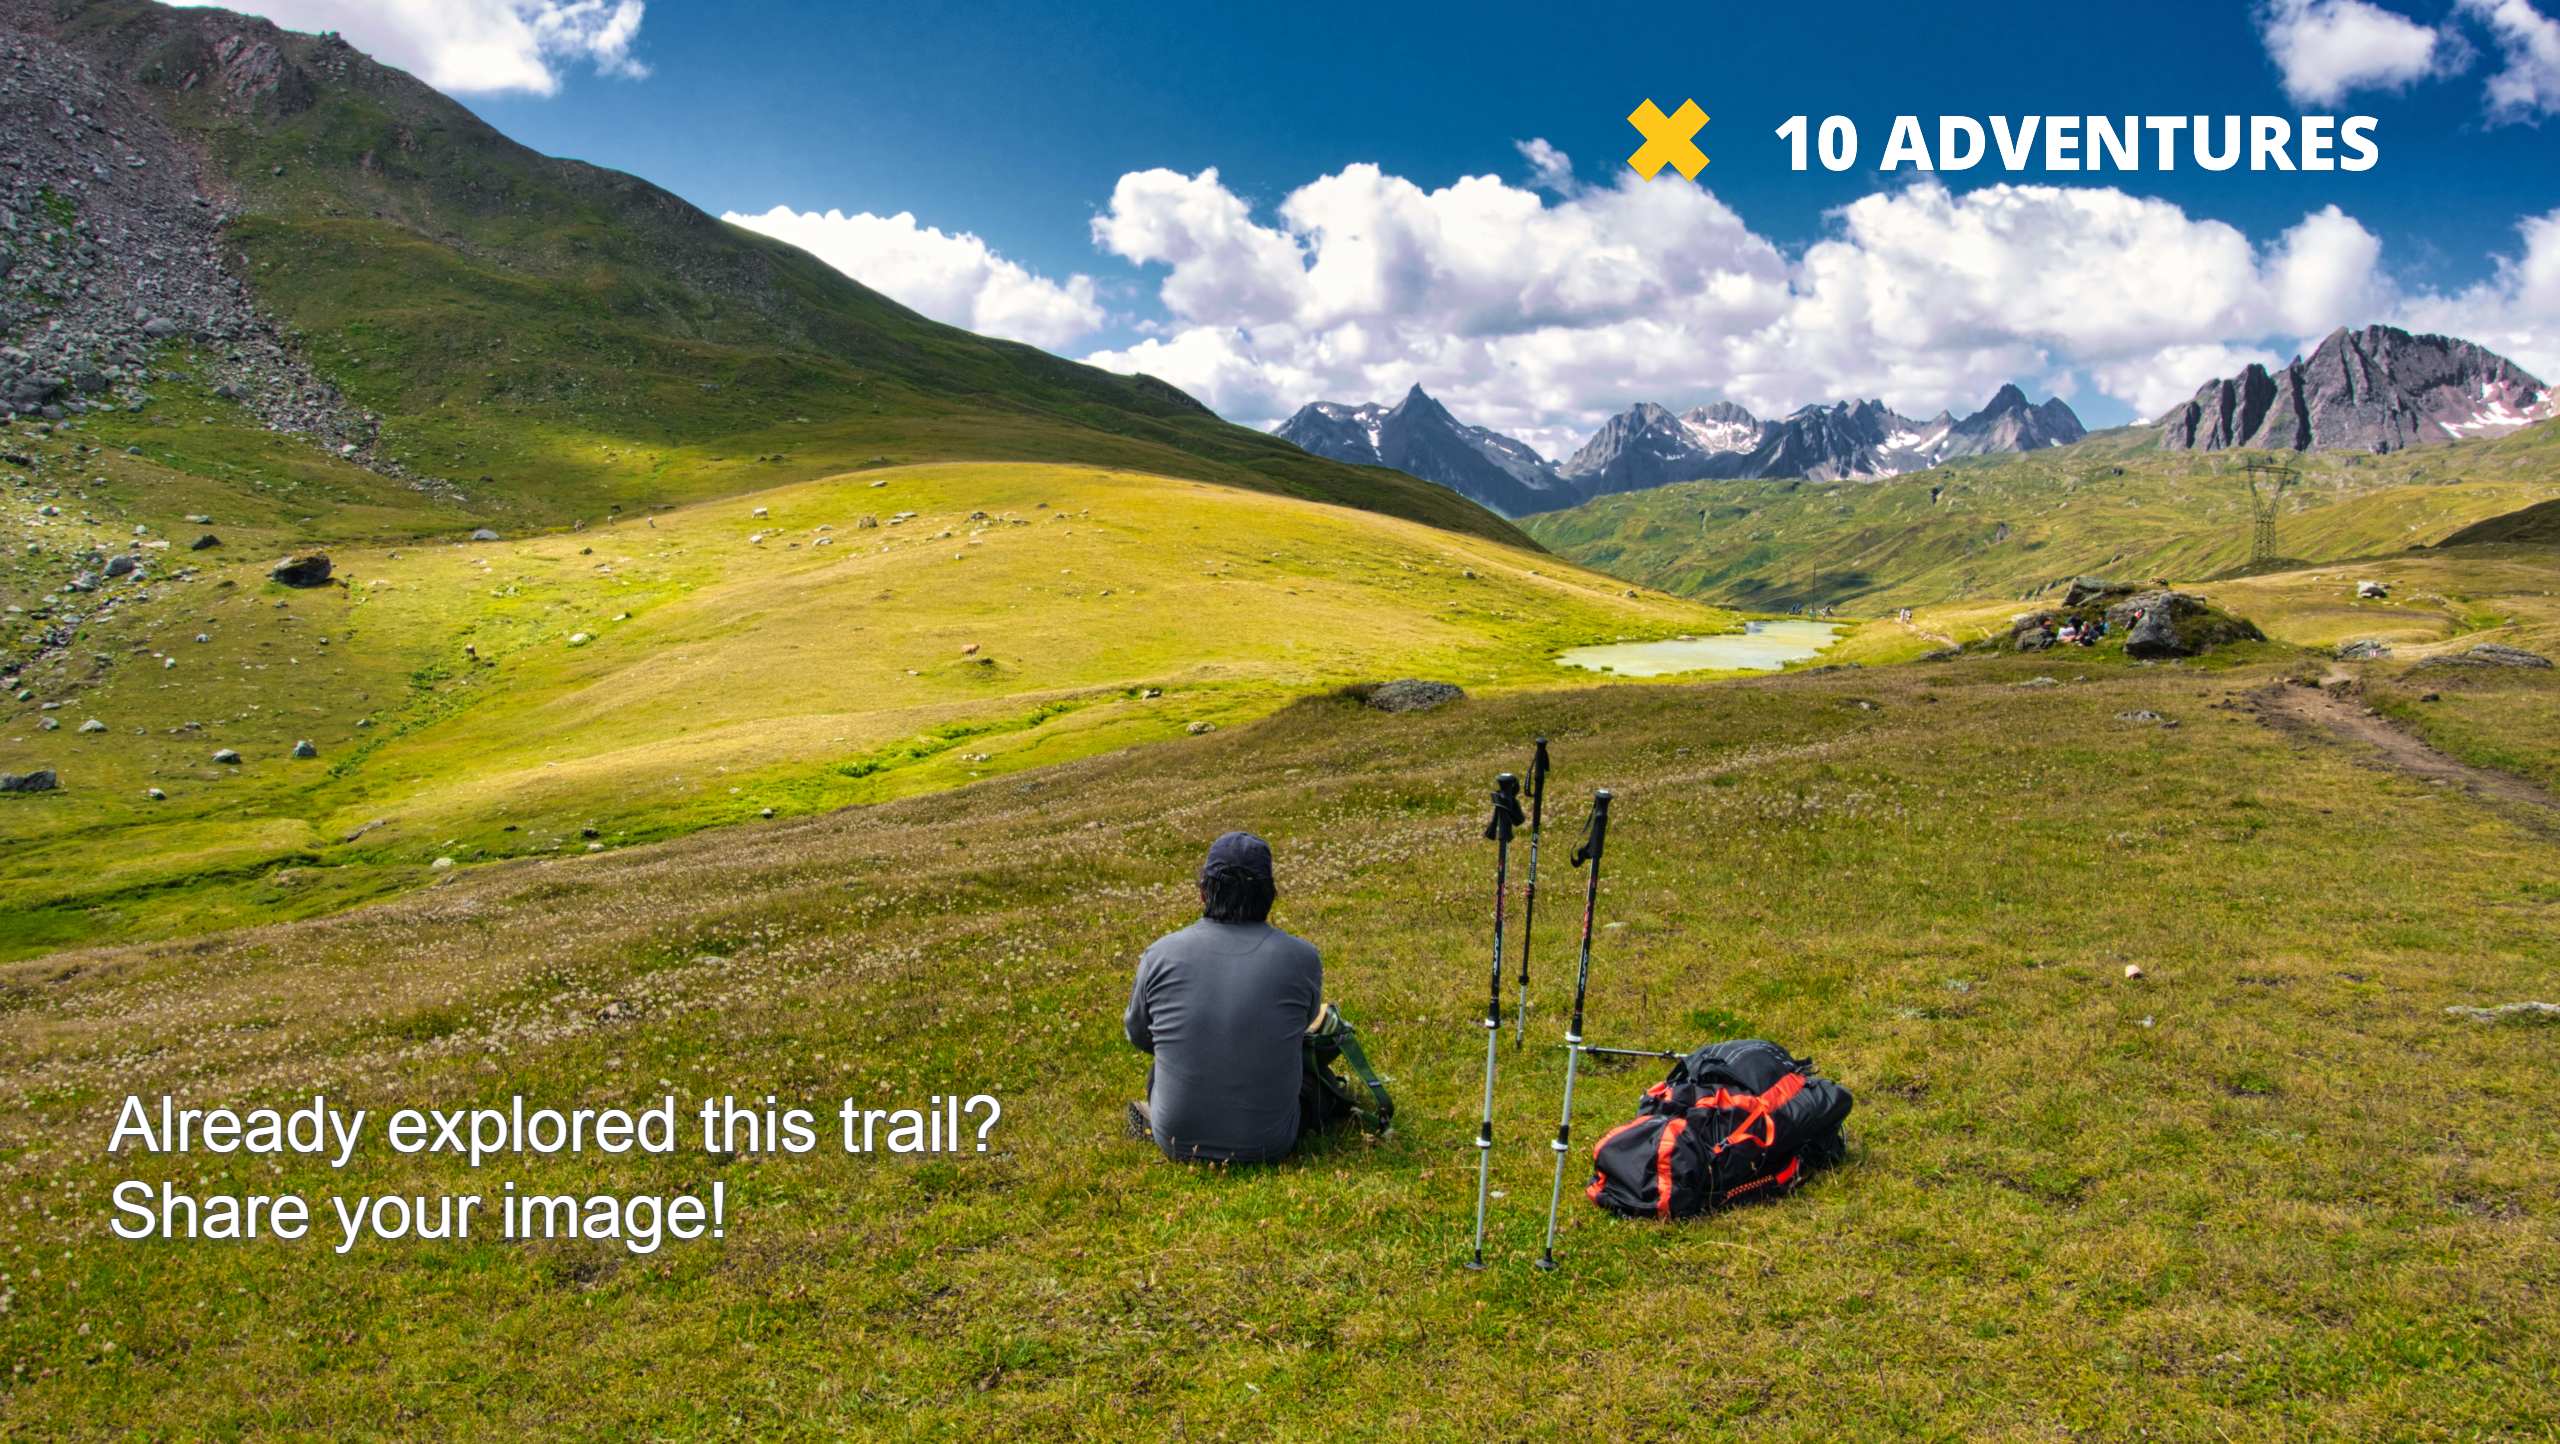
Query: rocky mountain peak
{"type": "Point", "coordinates": [1418, 436]}
{"type": "Point", "coordinates": [2377, 388]}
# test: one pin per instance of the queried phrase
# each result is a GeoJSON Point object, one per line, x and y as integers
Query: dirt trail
{"type": "Point", "coordinates": [2335, 709]}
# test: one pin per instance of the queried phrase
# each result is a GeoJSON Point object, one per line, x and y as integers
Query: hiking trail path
{"type": "Point", "coordinates": [2336, 709]}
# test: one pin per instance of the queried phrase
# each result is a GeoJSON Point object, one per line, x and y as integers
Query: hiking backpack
{"type": "Point", "coordinates": [1733, 1121]}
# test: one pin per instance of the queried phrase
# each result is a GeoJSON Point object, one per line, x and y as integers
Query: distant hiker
{"type": "Point", "coordinates": [1232, 1010]}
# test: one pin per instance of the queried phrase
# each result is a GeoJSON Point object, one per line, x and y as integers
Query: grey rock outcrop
{"type": "Point", "coordinates": [1412, 694]}
{"type": "Point", "coordinates": [2176, 624]}
{"type": "Point", "coordinates": [2490, 654]}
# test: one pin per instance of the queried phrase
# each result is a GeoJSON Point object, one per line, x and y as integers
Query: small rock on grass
{"type": "Point", "coordinates": [227, 757]}
{"type": "Point", "coordinates": [40, 780]}
{"type": "Point", "coordinates": [1198, 728]}
{"type": "Point", "coordinates": [305, 750]}
{"type": "Point", "coordinates": [2507, 1010]}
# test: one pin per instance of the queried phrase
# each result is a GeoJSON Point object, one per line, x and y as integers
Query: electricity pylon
{"type": "Point", "coordinates": [2268, 482]}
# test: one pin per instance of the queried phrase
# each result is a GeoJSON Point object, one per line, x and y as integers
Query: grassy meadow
{"type": "Point", "coordinates": [2268, 1188]}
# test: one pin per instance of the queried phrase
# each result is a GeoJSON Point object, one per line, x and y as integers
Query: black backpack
{"type": "Point", "coordinates": [1733, 1121]}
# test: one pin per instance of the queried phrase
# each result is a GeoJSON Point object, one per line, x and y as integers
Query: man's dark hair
{"type": "Point", "coordinates": [1235, 882]}
{"type": "Point", "coordinates": [1235, 897]}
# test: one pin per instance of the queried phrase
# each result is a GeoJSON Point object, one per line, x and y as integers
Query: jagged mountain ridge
{"type": "Point", "coordinates": [2376, 389]}
{"type": "Point", "coordinates": [1851, 440]}
{"type": "Point", "coordinates": [1647, 445]}
{"type": "Point", "coordinates": [1419, 437]}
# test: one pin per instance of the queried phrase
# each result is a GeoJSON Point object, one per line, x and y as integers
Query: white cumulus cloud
{"type": "Point", "coordinates": [950, 276]}
{"type": "Point", "coordinates": [2326, 49]}
{"type": "Point", "coordinates": [2516, 311]}
{"type": "Point", "coordinates": [1533, 317]}
{"type": "Point", "coordinates": [2526, 86]}
{"type": "Point", "coordinates": [474, 46]}
{"type": "Point", "coordinates": [1541, 309]}
{"type": "Point", "coordinates": [2154, 383]}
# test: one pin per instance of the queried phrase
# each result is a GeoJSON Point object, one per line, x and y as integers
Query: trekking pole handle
{"type": "Point", "coordinates": [1538, 770]}
{"type": "Point", "coordinates": [1506, 808]}
{"type": "Point", "coordinates": [1597, 836]}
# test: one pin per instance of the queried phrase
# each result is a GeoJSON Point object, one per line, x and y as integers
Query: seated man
{"type": "Point", "coordinates": [1225, 1006]}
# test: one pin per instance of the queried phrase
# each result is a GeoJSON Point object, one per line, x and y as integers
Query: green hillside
{"type": "Point", "coordinates": [868, 635]}
{"type": "Point", "coordinates": [2010, 526]}
{"type": "Point", "coordinates": [557, 338]}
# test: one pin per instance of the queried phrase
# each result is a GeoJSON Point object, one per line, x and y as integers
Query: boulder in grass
{"type": "Point", "coordinates": [40, 780]}
{"type": "Point", "coordinates": [2363, 649]}
{"type": "Point", "coordinates": [302, 569]}
{"type": "Point", "coordinates": [2176, 624]}
{"type": "Point", "coordinates": [1411, 694]}
{"type": "Point", "coordinates": [303, 749]}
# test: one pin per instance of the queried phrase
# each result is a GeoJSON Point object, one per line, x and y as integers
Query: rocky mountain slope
{"type": "Point", "coordinates": [2377, 389]}
{"type": "Point", "coordinates": [349, 255]}
{"type": "Point", "coordinates": [1419, 437]}
{"type": "Point", "coordinates": [110, 247]}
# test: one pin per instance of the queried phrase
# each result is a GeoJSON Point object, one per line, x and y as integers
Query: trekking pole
{"type": "Point", "coordinates": [1506, 816]}
{"type": "Point", "coordinates": [1589, 851]}
{"type": "Point", "coordinates": [1529, 904]}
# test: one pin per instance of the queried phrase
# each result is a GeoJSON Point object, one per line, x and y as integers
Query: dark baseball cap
{"type": "Point", "coordinates": [1239, 854]}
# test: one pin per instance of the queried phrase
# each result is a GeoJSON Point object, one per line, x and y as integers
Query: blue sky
{"type": "Point", "coordinates": [1017, 123]}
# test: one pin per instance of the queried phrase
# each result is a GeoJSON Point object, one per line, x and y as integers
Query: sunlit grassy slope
{"type": "Point", "coordinates": [2269, 1189]}
{"type": "Point", "coordinates": [835, 650]}
{"type": "Point", "coordinates": [2007, 526]}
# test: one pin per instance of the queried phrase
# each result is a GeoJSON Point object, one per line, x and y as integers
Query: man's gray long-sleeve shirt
{"type": "Point", "coordinates": [1224, 1007]}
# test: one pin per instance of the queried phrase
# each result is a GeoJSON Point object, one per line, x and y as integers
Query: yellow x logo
{"type": "Point", "coordinates": [1666, 140]}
